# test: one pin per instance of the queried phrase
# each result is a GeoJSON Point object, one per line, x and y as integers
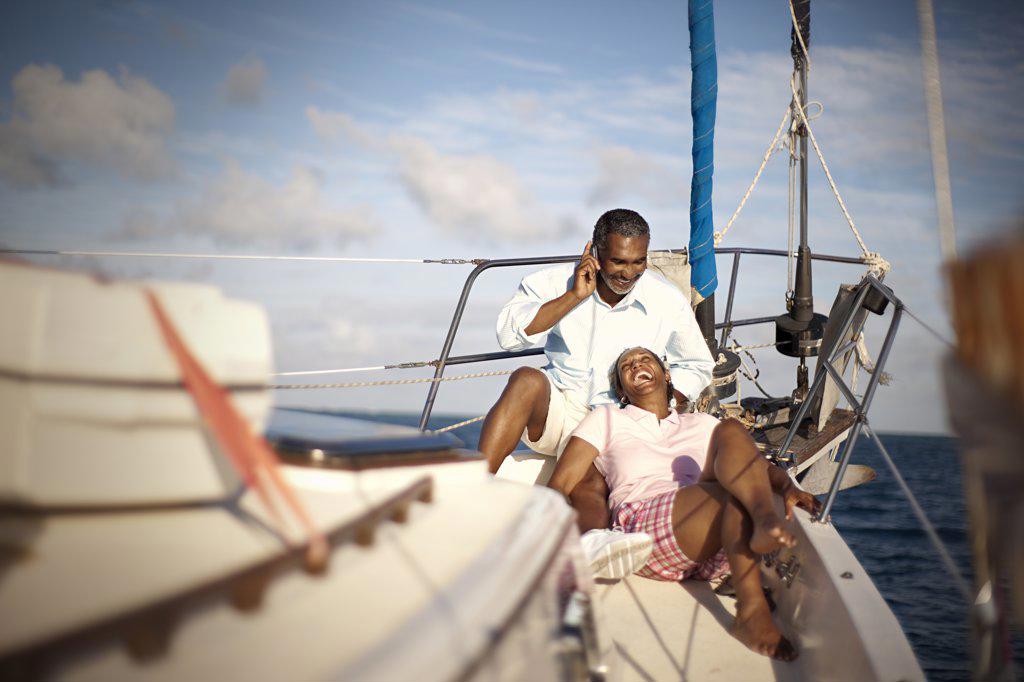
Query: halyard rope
{"type": "Point", "coordinates": [799, 35]}
{"type": "Point", "coordinates": [875, 261]}
{"type": "Point", "coordinates": [791, 217]}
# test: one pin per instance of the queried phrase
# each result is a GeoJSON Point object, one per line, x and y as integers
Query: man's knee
{"type": "Point", "coordinates": [528, 381]}
{"type": "Point", "coordinates": [528, 390]}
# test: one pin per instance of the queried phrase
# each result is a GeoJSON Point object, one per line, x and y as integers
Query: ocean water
{"type": "Point", "coordinates": [880, 528]}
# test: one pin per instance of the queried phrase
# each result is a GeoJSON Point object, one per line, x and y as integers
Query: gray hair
{"type": "Point", "coordinates": [620, 221]}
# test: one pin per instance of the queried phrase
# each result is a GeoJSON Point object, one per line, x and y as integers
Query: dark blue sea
{"type": "Point", "coordinates": [880, 528]}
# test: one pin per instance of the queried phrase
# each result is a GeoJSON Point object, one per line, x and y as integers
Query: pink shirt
{"type": "Point", "coordinates": [641, 457]}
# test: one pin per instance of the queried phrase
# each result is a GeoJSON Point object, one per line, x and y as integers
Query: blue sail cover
{"type": "Point", "coordinates": [703, 102]}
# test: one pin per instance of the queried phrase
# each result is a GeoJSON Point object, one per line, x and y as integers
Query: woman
{"type": "Point", "coordinates": [698, 486]}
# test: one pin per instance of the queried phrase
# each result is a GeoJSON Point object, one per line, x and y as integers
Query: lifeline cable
{"type": "Point", "coordinates": [228, 256]}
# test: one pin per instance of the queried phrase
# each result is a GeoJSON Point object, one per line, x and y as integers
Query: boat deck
{"type": "Point", "coordinates": [679, 631]}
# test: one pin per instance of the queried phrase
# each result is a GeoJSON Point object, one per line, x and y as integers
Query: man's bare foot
{"type": "Point", "coordinates": [758, 632]}
{"type": "Point", "coordinates": [769, 533]}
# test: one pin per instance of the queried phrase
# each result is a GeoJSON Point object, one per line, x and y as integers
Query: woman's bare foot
{"type": "Point", "coordinates": [755, 628]}
{"type": "Point", "coordinates": [769, 533]}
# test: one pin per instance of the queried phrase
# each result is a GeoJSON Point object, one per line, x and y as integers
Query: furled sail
{"type": "Point", "coordinates": [703, 103]}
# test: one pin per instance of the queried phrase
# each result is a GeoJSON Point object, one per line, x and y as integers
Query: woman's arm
{"type": "Point", "coordinates": [791, 493]}
{"type": "Point", "coordinates": [572, 465]}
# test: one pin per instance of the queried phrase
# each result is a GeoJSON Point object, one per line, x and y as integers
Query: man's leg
{"type": "Point", "coordinates": [706, 518]}
{"type": "Point", "coordinates": [522, 405]}
{"type": "Point", "coordinates": [590, 500]}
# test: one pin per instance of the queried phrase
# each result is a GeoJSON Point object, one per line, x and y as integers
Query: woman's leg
{"type": "Point", "coordinates": [735, 462]}
{"type": "Point", "coordinates": [706, 518]}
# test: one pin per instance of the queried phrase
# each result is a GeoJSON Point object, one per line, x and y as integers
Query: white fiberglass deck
{"type": "Point", "coordinates": [679, 631]}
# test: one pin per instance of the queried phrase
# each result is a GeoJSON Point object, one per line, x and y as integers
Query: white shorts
{"type": "Point", "coordinates": [565, 412]}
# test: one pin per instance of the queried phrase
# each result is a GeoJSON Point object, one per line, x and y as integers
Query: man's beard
{"type": "Point", "coordinates": [618, 288]}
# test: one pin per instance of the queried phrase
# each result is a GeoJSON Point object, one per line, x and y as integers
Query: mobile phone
{"type": "Point", "coordinates": [593, 251]}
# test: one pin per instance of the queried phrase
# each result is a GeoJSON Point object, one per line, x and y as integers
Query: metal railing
{"type": "Point", "coordinates": [445, 359]}
{"type": "Point", "coordinates": [827, 369]}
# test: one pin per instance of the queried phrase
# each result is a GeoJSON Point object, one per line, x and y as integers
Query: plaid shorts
{"type": "Point", "coordinates": [667, 562]}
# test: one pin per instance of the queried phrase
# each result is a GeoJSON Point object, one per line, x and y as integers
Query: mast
{"type": "Point", "coordinates": [803, 298]}
{"type": "Point", "coordinates": [703, 105]}
{"type": "Point", "coordinates": [799, 331]}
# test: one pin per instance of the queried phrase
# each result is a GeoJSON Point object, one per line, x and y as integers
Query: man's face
{"type": "Point", "coordinates": [623, 260]}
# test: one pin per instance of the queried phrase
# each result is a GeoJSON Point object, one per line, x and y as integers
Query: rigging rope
{"type": "Point", "coordinates": [719, 236]}
{"type": "Point", "coordinates": [222, 256]}
{"type": "Point", "coordinates": [750, 373]}
{"type": "Point", "coordinates": [874, 260]}
{"type": "Point", "coordinates": [452, 427]}
{"type": "Point", "coordinates": [327, 371]}
{"type": "Point", "coordinates": [921, 322]}
{"type": "Point", "coordinates": [400, 365]}
{"type": "Point", "coordinates": [393, 382]}
{"type": "Point", "coordinates": [736, 349]}
{"type": "Point", "coordinates": [929, 529]}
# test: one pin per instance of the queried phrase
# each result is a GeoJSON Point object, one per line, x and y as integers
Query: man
{"type": "Point", "coordinates": [585, 315]}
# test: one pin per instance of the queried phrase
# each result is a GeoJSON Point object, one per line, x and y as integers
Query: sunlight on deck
{"type": "Point", "coordinates": [679, 631]}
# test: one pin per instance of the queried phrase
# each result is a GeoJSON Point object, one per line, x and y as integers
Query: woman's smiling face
{"type": "Point", "coordinates": [640, 373]}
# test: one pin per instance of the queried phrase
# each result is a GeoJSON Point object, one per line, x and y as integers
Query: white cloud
{"type": "Point", "coordinates": [352, 337]}
{"type": "Point", "coordinates": [121, 122]}
{"type": "Point", "coordinates": [623, 172]}
{"type": "Point", "coordinates": [245, 81]}
{"type": "Point", "coordinates": [531, 65]}
{"type": "Point", "coordinates": [337, 125]}
{"type": "Point", "coordinates": [20, 165]}
{"type": "Point", "coordinates": [239, 207]}
{"type": "Point", "coordinates": [461, 21]}
{"type": "Point", "coordinates": [473, 196]}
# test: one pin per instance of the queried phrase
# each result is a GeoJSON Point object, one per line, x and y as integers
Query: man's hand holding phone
{"type": "Point", "coordinates": [585, 281]}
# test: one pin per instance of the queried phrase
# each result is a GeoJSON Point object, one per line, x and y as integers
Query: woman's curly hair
{"type": "Point", "coordinates": [616, 382]}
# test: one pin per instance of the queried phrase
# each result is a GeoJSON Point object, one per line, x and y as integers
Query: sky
{"type": "Point", "coordinates": [490, 130]}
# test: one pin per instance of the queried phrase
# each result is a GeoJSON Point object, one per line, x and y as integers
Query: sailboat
{"type": "Point", "coordinates": [300, 545]}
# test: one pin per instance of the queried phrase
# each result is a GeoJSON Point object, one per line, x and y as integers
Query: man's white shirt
{"type": "Point", "coordinates": [582, 346]}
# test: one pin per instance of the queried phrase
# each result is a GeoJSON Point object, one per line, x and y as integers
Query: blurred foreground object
{"type": "Point", "coordinates": [985, 392]}
{"type": "Point", "coordinates": [92, 406]}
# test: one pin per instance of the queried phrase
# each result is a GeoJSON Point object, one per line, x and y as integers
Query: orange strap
{"type": "Point", "coordinates": [249, 452]}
